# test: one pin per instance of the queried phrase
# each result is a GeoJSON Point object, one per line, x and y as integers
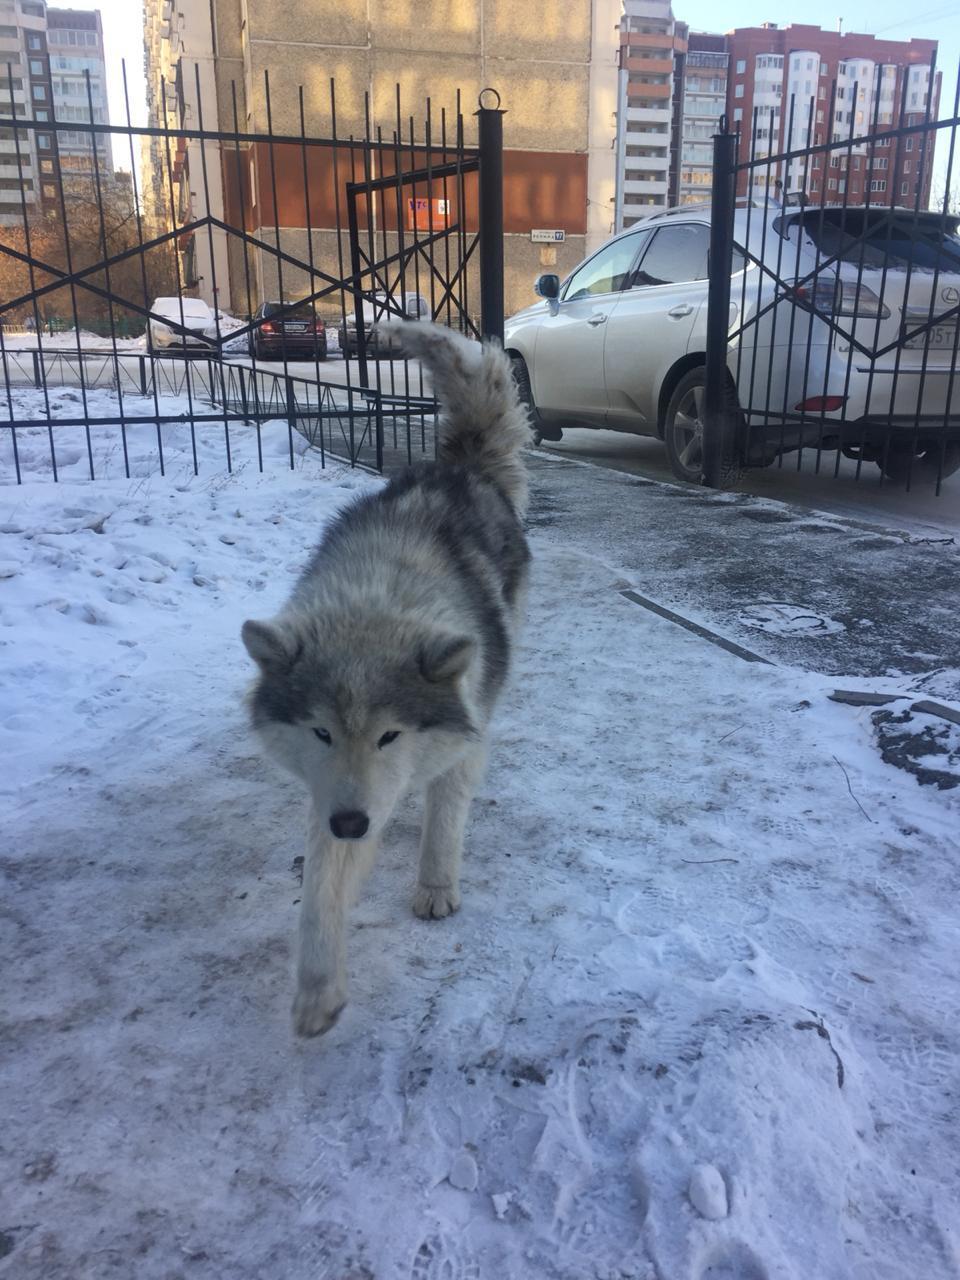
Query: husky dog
{"type": "Point", "coordinates": [381, 672]}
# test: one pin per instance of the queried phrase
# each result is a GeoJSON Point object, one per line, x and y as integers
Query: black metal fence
{"type": "Point", "coordinates": [835, 283]}
{"type": "Point", "coordinates": [239, 282]}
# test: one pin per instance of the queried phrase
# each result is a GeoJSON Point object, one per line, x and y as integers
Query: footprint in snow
{"type": "Point", "coordinates": [731, 1261]}
{"type": "Point", "coordinates": [440, 1258]}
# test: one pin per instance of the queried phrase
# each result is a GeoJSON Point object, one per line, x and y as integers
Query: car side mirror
{"type": "Point", "coordinates": [548, 287]}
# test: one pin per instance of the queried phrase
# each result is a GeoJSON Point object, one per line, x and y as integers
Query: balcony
{"type": "Point", "coordinates": [638, 187]}
{"type": "Point", "coordinates": [653, 66]}
{"type": "Point", "coordinates": [649, 115]}
{"type": "Point", "coordinates": [664, 91]}
{"type": "Point", "coordinates": [646, 162]}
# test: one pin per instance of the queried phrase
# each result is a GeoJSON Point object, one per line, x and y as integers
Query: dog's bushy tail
{"type": "Point", "coordinates": [483, 425]}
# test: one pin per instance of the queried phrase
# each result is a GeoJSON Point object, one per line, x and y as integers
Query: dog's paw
{"type": "Point", "coordinates": [316, 1009]}
{"type": "Point", "coordinates": [433, 902]}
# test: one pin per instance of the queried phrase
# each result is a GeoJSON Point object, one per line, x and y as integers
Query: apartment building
{"type": "Point", "coordinates": [25, 89]}
{"type": "Point", "coordinates": [700, 99]}
{"type": "Point", "coordinates": [49, 53]}
{"type": "Point", "coordinates": [183, 181]}
{"type": "Point", "coordinates": [555, 68]}
{"type": "Point", "coordinates": [75, 52]}
{"type": "Point", "coordinates": [650, 42]}
{"type": "Point", "coordinates": [781, 94]}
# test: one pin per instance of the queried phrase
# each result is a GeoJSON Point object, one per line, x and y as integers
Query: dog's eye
{"type": "Point", "coordinates": [323, 735]}
{"type": "Point", "coordinates": [387, 738]}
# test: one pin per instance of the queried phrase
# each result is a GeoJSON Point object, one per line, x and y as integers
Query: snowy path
{"type": "Point", "coordinates": [685, 942]}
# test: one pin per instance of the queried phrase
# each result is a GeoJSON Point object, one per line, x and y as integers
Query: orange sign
{"type": "Point", "coordinates": [423, 217]}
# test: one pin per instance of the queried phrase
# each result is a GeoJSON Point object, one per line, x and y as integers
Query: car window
{"type": "Point", "coordinates": [676, 254]}
{"type": "Point", "coordinates": [605, 272]}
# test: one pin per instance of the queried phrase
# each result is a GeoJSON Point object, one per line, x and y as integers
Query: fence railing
{"type": "Point", "coordinates": [835, 284]}
{"type": "Point", "coordinates": [262, 254]}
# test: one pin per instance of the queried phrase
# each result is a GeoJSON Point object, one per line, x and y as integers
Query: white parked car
{"type": "Point", "coordinates": [621, 343]}
{"type": "Point", "coordinates": [192, 314]}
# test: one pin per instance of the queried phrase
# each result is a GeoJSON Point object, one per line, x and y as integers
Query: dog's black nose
{"type": "Point", "coordinates": [350, 825]}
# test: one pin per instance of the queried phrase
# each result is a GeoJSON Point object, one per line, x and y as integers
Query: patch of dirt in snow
{"type": "Point", "coordinates": [692, 889]}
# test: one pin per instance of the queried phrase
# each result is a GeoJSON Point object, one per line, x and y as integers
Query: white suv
{"type": "Point", "coordinates": [848, 339]}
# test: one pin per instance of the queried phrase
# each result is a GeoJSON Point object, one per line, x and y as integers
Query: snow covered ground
{"type": "Point", "coordinates": [696, 1017]}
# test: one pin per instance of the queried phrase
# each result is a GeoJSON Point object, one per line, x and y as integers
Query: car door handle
{"type": "Point", "coordinates": [597, 319]}
{"type": "Point", "coordinates": [678, 312]}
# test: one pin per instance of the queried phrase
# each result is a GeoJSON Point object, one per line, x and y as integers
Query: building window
{"type": "Point", "coordinates": [823, 68]}
{"type": "Point", "coordinates": [813, 184]}
{"type": "Point", "coordinates": [878, 184]}
{"type": "Point", "coordinates": [34, 42]}
{"type": "Point", "coordinates": [737, 114]}
{"type": "Point", "coordinates": [796, 64]}
{"type": "Point", "coordinates": [831, 184]}
{"type": "Point", "coordinates": [909, 145]}
{"type": "Point", "coordinates": [36, 67]}
{"type": "Point", "coordinates": [904, 188]}
{"type": "Point", "coordinates": [879, 162]}
{"type": "Point", "coordinates": [39, 93]}
{"type": "Point", "coordinates": [49, 191]}
{"type": "Point", "coordinates": [822, 92]}
{"type": "Point", "coordinates": [30, 10]}
{"type": "Point", "coordinates": [738, 91]}
{"type": "Point", "coordinates": [741, 66]}
{"type": "Point", "coordinates": [819, 117]}
{"type": "Point", "coordinates": [906, 166]}
{"type": "Point", "coordinates": [43, 141]}
{"type": "Point", "coordinates": [843, 185]}
{"type": "Point", "coordinates": [41, 115]}
{"type": "Point", "coordinates": [856, 162]}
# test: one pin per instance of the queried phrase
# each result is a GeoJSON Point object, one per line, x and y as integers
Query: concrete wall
{"type": "Point", "coordinates": [554, 65]}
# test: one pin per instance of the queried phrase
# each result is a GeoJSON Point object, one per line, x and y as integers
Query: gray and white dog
{"type": "Point", "coordinates": [381, 673]}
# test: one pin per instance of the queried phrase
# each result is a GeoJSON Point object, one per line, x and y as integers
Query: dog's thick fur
{"type": "Point", "coordinates": [381, 673]}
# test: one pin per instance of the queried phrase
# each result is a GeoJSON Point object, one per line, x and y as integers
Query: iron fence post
{"type": "Point", "coordinates": [721, 446]}
{"type": "Point", "coordinates": [36, 370]}
{"type": "Point", "coordinates": [490, 128]}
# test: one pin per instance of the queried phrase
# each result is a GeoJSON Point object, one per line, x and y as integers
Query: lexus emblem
{"type": "Point", "coordinates": [950, 295]}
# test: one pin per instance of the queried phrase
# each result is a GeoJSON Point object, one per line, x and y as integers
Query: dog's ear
{"type": "Point", "coordinates": [444, 657]}
{"type": "Point", "coordinates": [271, 647]}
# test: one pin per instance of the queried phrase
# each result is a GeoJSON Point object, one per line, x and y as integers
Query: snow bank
{"type": "Point", "coordinates": [684, 942]}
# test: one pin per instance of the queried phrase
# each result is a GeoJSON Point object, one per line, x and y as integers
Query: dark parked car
{"type": "Point", "coordinates": [294, 335]}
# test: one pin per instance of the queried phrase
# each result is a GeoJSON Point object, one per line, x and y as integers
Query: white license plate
{"type": "Point", "coordinates": [942, 337]}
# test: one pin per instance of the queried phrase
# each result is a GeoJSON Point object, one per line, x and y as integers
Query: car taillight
{"type": "Point", "coordinates": [268, 327]}
{"type": "Point", "coordinates": [834, 297]}
{"type": "Point", "coordinates": [820, 404]}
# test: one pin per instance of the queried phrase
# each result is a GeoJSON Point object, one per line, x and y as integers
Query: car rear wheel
{"type": "Point", "coordinates": [919, 462]}
{"type": "Point", "coordinates": [683, 429]}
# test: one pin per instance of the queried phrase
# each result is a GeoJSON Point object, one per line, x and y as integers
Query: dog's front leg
{"type": "Point", "coordinates": [441, 849]}
{"type": "Point", "coordinates": [332, 872]}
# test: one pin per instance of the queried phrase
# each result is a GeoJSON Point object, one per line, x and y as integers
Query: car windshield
{"type": "Point", "coordinates": [881, 237]}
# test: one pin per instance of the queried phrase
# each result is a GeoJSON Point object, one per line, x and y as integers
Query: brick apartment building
{"type": "Point", "coordinates": [772, 68]}
{"type": "Point", "coordinates": [675, 85]}
{"type": "Point", "coordinates": [554, 66]}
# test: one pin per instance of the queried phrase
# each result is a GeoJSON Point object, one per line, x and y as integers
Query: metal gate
{"type": "Point", "coordinates": [233, 290]}
{"type": "Point", "coordinates": [835, 285]}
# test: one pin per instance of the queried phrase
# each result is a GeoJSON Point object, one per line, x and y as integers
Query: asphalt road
{"type": "Point", "coordinates": [865, 498]}
{"type": "Point", "coordinates": [828, 593]}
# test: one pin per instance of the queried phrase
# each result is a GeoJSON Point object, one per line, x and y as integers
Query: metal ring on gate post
{"type": "Point", "coordinates": [480, 102]}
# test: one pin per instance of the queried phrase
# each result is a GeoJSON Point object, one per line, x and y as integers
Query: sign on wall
{"type": "Point", "coordinates": [423, 218]}
{"type": "Point", "coordinates": [547, 237]}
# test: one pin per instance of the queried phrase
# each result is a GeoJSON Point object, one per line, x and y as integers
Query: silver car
{"type": "Point", "coordinates": [831, 340]}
